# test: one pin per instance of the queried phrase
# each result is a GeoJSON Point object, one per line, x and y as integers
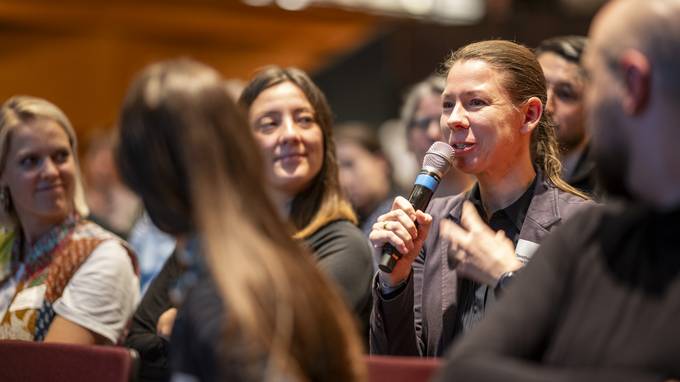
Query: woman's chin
{"type": "Point", "coordinates": [291, 184]}
{"type": "Point", "coordinates": [466, 165]}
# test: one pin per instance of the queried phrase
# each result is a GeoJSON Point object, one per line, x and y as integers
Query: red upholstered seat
{"type": "Point", "coordinates": [401, 369]}
{"type": "Point", "coordinates": [40, 362]}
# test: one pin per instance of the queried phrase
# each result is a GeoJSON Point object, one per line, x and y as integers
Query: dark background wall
{"type": "Point", "coordinates": [368, 83]}
{"type": "Point", "coordinates": [82, 54]}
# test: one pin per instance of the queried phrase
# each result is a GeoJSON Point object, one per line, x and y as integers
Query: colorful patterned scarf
{"type": "Point", "coordinates": [47, 267]}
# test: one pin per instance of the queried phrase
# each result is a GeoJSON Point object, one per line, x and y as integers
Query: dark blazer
{"type": "Point", "coordinates": [422, 319]}
{"type": "Point", "coordinates": [583, 177]}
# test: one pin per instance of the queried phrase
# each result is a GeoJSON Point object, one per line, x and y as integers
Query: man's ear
{"type": "Point", "coordinates": [636, 74]}
{"type": "Point", "coordinates": [532, 111]}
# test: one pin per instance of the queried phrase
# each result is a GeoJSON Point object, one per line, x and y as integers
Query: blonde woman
{"type": "Point", "coordinates": [62, 277]}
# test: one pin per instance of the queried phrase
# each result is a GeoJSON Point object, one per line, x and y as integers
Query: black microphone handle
{"type": "Point", "coordinates": [419, 199]}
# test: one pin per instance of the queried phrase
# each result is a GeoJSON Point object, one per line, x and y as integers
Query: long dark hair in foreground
{"type": "Point", "coordinates": [187, 150]}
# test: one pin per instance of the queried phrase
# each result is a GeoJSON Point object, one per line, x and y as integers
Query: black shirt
{"type": "Point", "coordinates": [340, 250]}
{"type": "Point", "coordinates": [510, 218]}
{"type": "Point", "coordinates": [198, 340]}
{"type": "Point", "coordinates": [475, 297]}
{"type": "Point", "coordinates": [344, 254]}
{"type": "Point", "coordinates": [152, 348]}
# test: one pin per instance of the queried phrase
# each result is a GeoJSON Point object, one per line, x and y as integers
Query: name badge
{"type": "Point", "coordinates": [525, 250]}
{"type": "Point", "coordinates": [31, 298]}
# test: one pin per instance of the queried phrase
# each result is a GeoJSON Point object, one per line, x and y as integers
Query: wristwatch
{"type": "Point", "coordinates": [503, 282]}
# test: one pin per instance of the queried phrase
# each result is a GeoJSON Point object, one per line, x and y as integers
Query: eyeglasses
{"type": "Point", "coordinates": [423, 123]}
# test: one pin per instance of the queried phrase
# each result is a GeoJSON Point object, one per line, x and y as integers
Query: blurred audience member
{"type": "Point", "coordinates": [257, 308]}
{"type": "Point", "coordinates": [160, 268]}
{"type": "Point", "coordinates": [493, 118]}
{"type": "Point", "coordinates": [392, 136]}
{"type": "Point", "coordinates": [421, 114]}
{"type": "Point", "coordinates": [560, 59]}
{"type": "Point", "coordinates": [63, 278]}
{"type": "Point", "coordinates": [115, 207]}
{"type": "Point", "coordinates": [155, 316]}
{"type": "Point", "coordinates": [112, 205]}
{"type": "Point", "coordinates": [153, 248]}
{"type": "Point", "coordinates": [234, 87]}
{"type": "Point", "coordinates": [291, 121]}
{"type": "Point", "coordinates": [600, 302]}
{"type": "Point", "coordinates": [365, 172]}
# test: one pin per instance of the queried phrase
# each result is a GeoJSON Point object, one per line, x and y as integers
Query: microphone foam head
{"type": "Point", "coordinates": [439, 157]}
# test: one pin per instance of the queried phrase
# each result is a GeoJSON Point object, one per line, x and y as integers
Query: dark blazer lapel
{"type": "Point", "coordinates": [543, 213]}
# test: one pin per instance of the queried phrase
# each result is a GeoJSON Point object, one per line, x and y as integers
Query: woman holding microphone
{"type": "Point", "coordinates": [459, 254]}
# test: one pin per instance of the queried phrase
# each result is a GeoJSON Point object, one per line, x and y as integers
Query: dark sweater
{"type": "Point", "coordinates": [600, 302]}
{"type": "Point", "coordinates": [341, 251]}
{"type": "Point", "coordinates": [153, 349]}
{"type": "Point", "coordinates": [198, 340]}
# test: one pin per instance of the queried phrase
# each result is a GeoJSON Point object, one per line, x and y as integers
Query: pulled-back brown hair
{"type": "Point", "coordinates": [522, 78]}
{"type": "Point", "coordinates": [186, 148]}
{"type": "Point", "coordinates": [322, 201]}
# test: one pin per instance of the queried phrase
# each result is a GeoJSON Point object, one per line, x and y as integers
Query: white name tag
{"type": "Point", "coordinates": [525, 249]}
{"type": "Point", "coordinates": [31, 298]}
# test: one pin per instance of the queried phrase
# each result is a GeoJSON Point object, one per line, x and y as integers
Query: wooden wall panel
{"type": "Point", "coordinates": [82, 54]}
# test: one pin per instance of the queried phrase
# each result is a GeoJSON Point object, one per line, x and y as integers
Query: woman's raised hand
{"type": "Point", "coordinates": [482, 254]}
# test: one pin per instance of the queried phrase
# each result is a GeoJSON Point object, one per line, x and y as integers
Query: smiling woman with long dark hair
{"type": "Point", "coordinates": [291, 122]}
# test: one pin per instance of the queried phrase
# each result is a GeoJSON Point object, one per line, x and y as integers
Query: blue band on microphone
{"type": "Point", "coordinates": [427, 181]}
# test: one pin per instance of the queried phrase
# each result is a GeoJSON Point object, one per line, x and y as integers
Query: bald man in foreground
{"type": "Point", "coordinates": [601, 299]}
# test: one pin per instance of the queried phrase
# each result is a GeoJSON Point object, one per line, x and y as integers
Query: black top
{"type": "Point", "coordinates": [584, 176]}
{"type": "Point", "coordinates": [199, 344]}
{"type": "Point", "coordinates": [599, 302]}
{"type": "Point", "coordinates": [341, 251]}
{"type": "Point", "coordinates": [153, 349]}
{"type": "Point", "coordinates": [196, 335]}
{"type": "Point", "coordinates": [197, 350]}
{"type": "Point", "coordinates": [474, 296]}
{"type": "Point", "coordinates": [344, 253]}
{"type": "Point", "coordinates": [510, 218]}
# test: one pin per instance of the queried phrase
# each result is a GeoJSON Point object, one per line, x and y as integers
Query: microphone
{"type": "Point", "coordinates": [437, 162]}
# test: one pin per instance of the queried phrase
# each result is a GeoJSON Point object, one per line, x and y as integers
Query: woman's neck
{"type": "Point", "coordinates": [499, 190]}
{"type": "Point", "coordinates": [283, 202]}
{"type": "Point", "coordinates": [34, 229]}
